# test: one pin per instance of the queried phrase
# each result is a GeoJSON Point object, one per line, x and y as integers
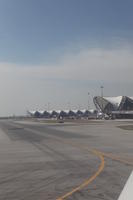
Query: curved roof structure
{"type": "Point", "coordinates": [114, 100]}
{"type": "Point", "coordinates": [109, 104]}
{"type": "Point", "coordinates": [63, 113]}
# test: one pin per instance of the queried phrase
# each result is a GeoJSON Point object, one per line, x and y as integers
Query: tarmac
{"type": "Point", "coordinates": [72, 161]}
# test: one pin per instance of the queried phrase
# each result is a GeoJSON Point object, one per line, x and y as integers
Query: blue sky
{"type": "Point", "coordinates": [57, 50]}
{"type": "Point", "coordinates": [39, 31]}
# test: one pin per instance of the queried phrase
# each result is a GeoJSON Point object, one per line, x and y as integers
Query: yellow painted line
{"type": "Point", "coordinates": [88, 181]}
{"type": "Point", "coordinates": [108, 155]}
{"type": "Point", "coordinates": [100, 154]}
{"type": "Point", "coordinates": [116, 158]}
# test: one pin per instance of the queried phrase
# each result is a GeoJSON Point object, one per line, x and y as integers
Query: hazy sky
{"type": "Point", "coordinates": [56, 51]}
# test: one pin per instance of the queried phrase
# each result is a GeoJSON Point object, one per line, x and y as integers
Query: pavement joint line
{"type": "Point", "coordinates": [93, 177]}
{"type": "Point", "coordinates": [88, 181]}
{"type": "Point", "coordinates": [103, 153]}
{"type": "Point", "coordinates": [86, 148]}
{"type": "Point", "coordinates": [100, 154]}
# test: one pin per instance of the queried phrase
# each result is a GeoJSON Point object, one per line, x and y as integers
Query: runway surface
{"type": "Point", "coordinates": [41, 161]}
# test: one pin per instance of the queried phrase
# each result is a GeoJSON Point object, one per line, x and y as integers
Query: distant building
{"type": "Point", "coordinates": [71, 114]}
{"type": "Point", "coordinates": [119, 107]}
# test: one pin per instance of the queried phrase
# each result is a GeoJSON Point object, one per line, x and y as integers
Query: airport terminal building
{"type": "Point", "coordinates": [113, 107]}
{"type": "Point", "coordinates": [118, 107]}
{"type": "Point", "coordinates": [70, 114]}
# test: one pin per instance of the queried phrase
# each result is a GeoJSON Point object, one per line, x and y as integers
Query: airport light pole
{"type": "Point", "coordinates": [102, 96]}
{"type": "Point", "coordinates": [88, 101]}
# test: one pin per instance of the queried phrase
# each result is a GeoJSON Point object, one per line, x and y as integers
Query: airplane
{"type": "Point", "coordinates": [127, 192]}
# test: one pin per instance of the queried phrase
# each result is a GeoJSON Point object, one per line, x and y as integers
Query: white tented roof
{"type": "Point", "coordinates": [131, 98]}
{"type": "Point", "coordinates": [58, 111]}
{"type": "Point", "coordinates": [83, 111]}
{"type": "Point", "coordinates": [50, 111]}
{"type": "Point", "coordinates": [41, 111]}
{"type": "Point", "coordinates": [32, 112]}
{"type": "Point", "coordinates": [66, 111]}
{"type": "Point", "coordinates": [91, 111]}
{"type": "Point", "coordinates": [114, 100]}
{"type": "Point", "coordinates": [74, 111]}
